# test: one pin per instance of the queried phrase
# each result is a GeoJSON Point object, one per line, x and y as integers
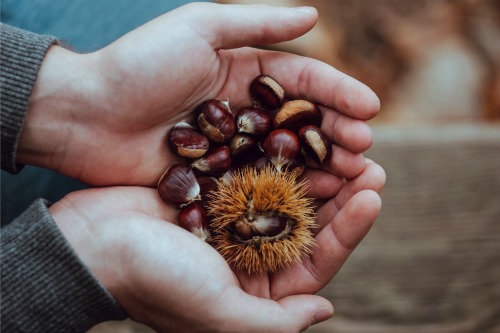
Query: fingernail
{"type": "Point", "coordinates": [304, 9]}
{"type": "Point", "coordinates": [322, 315]}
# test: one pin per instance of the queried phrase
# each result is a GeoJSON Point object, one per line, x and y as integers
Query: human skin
{"type": "Point", "coordinates": [103, 118]}
{"type": "Point", "coordinates": [115, 106]}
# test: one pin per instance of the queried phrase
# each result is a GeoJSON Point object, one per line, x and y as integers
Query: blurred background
{"type": "Point", "coordinates": [432, 261]}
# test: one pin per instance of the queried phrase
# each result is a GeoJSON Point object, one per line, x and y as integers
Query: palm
{"type": "Point", "coordinates": [154, 79]}
{"type": "Point", "coordinates": [166, 261]}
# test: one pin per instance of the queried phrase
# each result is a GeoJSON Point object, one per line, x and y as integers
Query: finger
{"type": "Point", "coordinates": [334, 244]}
{"type": "Point", "coordinates": [321, 184]}
{"type": "Point", "coordinates": [317, 306]}
{"type": "Point", "coordinates": [353, 134]}
{"type": "Point", "coordinates": [320, 83]}
{"type": "Point", "coordinates": [343, 163]}
{"type": "Point", "coordinates": [234, 26]}
{"type": "Point", "coordinates": [290, 314]}
{"type": "Point", "coordinates": [372, 178]}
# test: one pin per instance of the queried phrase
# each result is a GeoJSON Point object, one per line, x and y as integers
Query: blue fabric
{"type": "Point", "coordinates": [85, 25]}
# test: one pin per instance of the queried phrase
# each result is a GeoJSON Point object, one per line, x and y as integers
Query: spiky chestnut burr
{"type": "Point", "coordinates": [261, 220]}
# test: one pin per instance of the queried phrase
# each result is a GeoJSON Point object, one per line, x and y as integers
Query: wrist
{"type": "Point", "coordinates": [61, 93]}
{"type": "Point", "coordinates": [95, 244]}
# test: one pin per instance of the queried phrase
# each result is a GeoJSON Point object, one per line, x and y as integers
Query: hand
{"type": "Point", "coordinates": [103, 117]}
{"type": "Point", "coordinates": [169, 279]}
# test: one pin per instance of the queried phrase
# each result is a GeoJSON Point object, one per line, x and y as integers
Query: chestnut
{"type": "Point", "coordinates": [296, 164]}
{"type": "Point", "coordinates": [179, 185]}
{"type": "Point", "coordinates": [315, 143]}
{"type": "Point", "coordinates": [261, 163]}
{"type": "Point", "coordinates": [207, 185]}
{"type": "Point", "coordinates": [267, 93]}
{"type": "Point", "coordinates": [228, 176]}
{"type": "Point", "coordinates": [185, 141]}
{"type": "Point", "coordinates": [243, 230]}
{"type": "Point", "coordinates": [194, 219]}
{"type": "Point", "coordinates": [216, 121]}
{"type": "Point", "coordinates": [297, 113]}
{"type": "Point", "coordinates": [266, 224]}
{"type": "Point", "coordinates": [244, 148]}
{"type": "Point", "coordinates": [269, 224]}
{"type": "Point", "coordinates": [215, 162]}
{"type": "Point", "coordinates": [280, 146]}
{"type": "Point", "coordinates": [253, 121]}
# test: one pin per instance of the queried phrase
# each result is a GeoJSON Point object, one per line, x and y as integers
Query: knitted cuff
{"type": "Point", "coordinates": [45, 286]}
{"type": "Point", "coordinates": [21, 55]}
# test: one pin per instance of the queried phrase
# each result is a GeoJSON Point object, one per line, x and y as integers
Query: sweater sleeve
{"type": "Point", "coordinates": [45, 287]}
{"type": "Point", "coordinates": [21, 55]}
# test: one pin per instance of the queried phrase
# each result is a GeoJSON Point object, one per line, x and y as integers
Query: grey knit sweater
{"type": "Point", "coordinates": [44, 285]}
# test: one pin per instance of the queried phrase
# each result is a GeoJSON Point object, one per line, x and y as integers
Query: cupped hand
{"type": "Point", "coordinates": [170, 280]}
{"type": "Point", "coordinates": [164, 276]}
{"type": "Point", "coordinates": [123, 99]}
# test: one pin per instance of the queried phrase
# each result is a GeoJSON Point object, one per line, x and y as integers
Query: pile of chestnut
{"type": "Point", "coordinates": [273, 131]}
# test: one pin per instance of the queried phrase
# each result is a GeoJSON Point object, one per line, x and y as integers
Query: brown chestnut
{"type": "Point", "coordinates": [243, 230]}
{"type": "Point", "coordinates": [261, 163]}
{"type": "Point", "coordinates": [228, 176]}
{"type": "Point", "coordinates": [244, 148]}
{"type": "Point", "coordinates": [295, 114]}
{"type": "Point", "coordinates": [280, 146]}
{"type": "Point", "coordinates": [315, 143]}
{"type": "Point", "coordinates": [185, 141]}
{"type": "Point", "coordinates": [253, 121]}
{"type": "Point", "coordinates": [179, 185]}
{"type": "Point", "coordinates": [296, 164]}
{"type": "Point", "coordinates": [265, 224]}
{"type": "Point", "coordinates": [215, 162]}
{"type": "Point", "coordinates": [216, 120]}
{"type": "Point", "coordinates": [267, 93]}
{"type": "Point", "coordinates": [194, 219]}
{"type": "Point", "coordinates": [207, 185]}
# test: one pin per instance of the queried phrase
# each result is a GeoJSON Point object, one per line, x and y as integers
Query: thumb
{"type": "Point", "coordinates": [233, 26]}
{"type": "Point", "coordinates": [307, 310]}
{"type": "Point", "coordinates": [290, 314]}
